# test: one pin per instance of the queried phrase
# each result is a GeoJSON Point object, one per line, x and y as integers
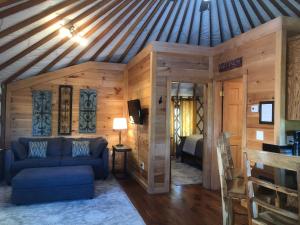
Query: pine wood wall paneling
{"type": "Point", "coordinates": [170, 66]}
{"type": "Point", "coordinates": [259, 64]}
{"type": "Point", "coordinates": [293, 76]}
{"type": "Point", "coordinates": [139, 87]}
{"type": "Point", "coordinates": [107, 79]}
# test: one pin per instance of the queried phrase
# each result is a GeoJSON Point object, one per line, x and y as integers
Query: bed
{"type": "Point", "coordinates": [191, 150]}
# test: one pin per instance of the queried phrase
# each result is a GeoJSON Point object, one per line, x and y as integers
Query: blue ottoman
{"type": "Point", "coordinates": [48, 184]}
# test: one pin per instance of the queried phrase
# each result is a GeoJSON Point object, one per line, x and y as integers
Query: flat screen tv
{"type": "Point", "coordinates": [135, 111]}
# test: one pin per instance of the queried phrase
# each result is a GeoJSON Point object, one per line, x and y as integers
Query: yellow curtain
{"type": "Point", "coordinates": [188, 117]}
{"type": "Point", "coordinates": [172, 144]}
{"type": "Point", "coordinates": [172, 119]}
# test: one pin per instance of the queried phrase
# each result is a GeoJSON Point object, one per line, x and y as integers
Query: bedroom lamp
{"type": "Point", "coordinates": [120, 124]}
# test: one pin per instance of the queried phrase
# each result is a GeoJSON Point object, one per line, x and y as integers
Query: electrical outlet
{"type": "Point", "coordinates": [254, 108]}
{"type": "Point", "coordinates": [142, 165]}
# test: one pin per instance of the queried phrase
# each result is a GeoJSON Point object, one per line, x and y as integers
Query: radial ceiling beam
{"type": "Point", "coordinates": [129, 31]}
{"type": "Point", "coordinates": [51, 36]}
{"type": "Point", "coordinates": [60, 43]}
{"type": "Point", "coordinates": [291, 7]}
{"type": "Point", "coordinates": [279, 8]}
{"type": "Point", "coordinates": [20, 7]}
{"type": "Point", "coordinates": [162, 12]}
{"type": "Point", "coordinates": [228, 19]}
{"type": "Point", "coordinates": [257, 13]}
{"type": "Point", "coordinates": [8, 2]}
{"type": "Point", "coordinates": [91, 31]}
{"type": "Point", "coordinates": [219, 21]}
{"type": "Point", "coordinates": [182, 21]}
{"type": "Point", "coordinates": [34, 18]}
{"type": "Point", "coordinates": [138, 34]}
{"type": "Point", "coordinates": [236, 12]}
{"type": "Point", "coordinates": [210, 24]}
{"type": "Point", "coordinates": [166, 20]}
{"type": "Point", "coordinates": [200, 28]}
{"type": "Point", "coordinates": [116, 21]}
{"type": "Point", "coordinates": [191, 23]}
{"type": "Point", "coordinates": [174, 21]}
{"type": "Point", "coordinates": [40, 28]}
{"type": "Point", "coordinates": [266, 9]}
{"type": "Point", "coordinates": [50, 50]}
{"type": "Point", "coordinates": [247, 14]}
{"type": "Point", "coordinates": [118, 31]}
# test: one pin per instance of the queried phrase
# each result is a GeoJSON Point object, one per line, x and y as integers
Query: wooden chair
{"type": "Point", "coordinates": [232, 184]}
{"type": "Point", "coordinates": [271, 213]}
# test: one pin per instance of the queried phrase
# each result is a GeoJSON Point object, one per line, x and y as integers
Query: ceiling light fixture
{"type": "Point", "coordinates": [73, 35]}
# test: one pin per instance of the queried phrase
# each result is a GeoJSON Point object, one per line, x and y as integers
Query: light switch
{"type": "Point", "coordinates": [259, 135]}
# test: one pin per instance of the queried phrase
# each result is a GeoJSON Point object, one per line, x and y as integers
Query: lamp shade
{"type": "Point", "coordinates": [120, 124]}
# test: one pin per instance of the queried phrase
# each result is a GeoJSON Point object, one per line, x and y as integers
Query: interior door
{"type": "Point", "coordinates": [233, 117]}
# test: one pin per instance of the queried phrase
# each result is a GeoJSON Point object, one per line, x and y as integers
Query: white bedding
{"type": "Point", "coordinates": [191, 142]}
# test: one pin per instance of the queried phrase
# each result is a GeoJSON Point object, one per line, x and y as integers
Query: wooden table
{"type": "Point", "coordinates": [121, 149]}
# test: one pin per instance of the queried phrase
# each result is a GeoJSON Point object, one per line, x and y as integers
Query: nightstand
{"type": "Point", "coordinates": [120, 149]}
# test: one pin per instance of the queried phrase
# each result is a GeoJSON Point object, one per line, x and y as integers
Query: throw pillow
{"type": "Point", "coordinates": [97, 147]}
{"type": "Point", "coordinates": [19, 150]}
{"type": "Point", "coordinates": [80, 148]}
{"type": "Point", "coordinates": [37, 149]}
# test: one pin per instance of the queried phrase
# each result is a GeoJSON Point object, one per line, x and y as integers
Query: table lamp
{"type": "Point", "coordinates": [120, 124]}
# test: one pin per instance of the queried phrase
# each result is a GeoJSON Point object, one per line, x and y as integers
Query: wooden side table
{"type": "Point", "coordinates": [122, 149]}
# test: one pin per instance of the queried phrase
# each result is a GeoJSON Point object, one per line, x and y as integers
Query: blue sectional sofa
{"type": "Point", "coordinates": [59, 153]}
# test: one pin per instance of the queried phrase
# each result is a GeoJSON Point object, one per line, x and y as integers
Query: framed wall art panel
{"type": "Point", "coordinates": [65, 110]}
{"type": "Point", "coordinates": [87, 111]}
{"type": "Point", "coordinates": [41, 113]}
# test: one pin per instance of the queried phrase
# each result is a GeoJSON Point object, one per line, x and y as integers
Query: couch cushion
{"type": "Point", "coordinates": [67, 147]}
{"type": "Point", "coordinates": [53, 177]}
{"type": "Point", "coordinates": [54, 147]}
{"type": "Point", "coordinates": [35, 163]}
{"type": "Point", "coordinates": [37, 149]}
{"type": "Point", "coordinates": [19, 150]}
{"type": "Point", "coordinates": [97, 147]}
{"type": "Point", "coordinates": [79, 161]}
{"type": "Point", "coordinates": [80, 148]}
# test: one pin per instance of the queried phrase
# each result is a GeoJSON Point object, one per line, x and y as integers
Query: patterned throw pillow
{"type": "Point", "coordinates": [80, 148]}
{"type": "Point", "coordinates": [37, 149]}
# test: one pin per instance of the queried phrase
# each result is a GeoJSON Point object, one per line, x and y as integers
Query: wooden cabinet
{"type": "Point", "coordinates": [293, 79]}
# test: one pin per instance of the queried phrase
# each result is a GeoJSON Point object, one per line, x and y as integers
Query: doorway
{"type": "Point", "coordinates": [232, 116]}
{"type": "Point", "coordinates": [187, 129]}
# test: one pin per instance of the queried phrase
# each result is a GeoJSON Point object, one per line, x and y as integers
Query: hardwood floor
{"type": "Point", "coordinates": [184, 205]}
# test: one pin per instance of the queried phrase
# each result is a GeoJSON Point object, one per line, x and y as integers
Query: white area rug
{"type": "Point", "coordinates": [110, 206]}
{"type": "Point", "coordinates": [183, 174]}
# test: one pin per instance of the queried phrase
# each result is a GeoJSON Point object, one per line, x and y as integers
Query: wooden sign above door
{"type": "Point", "coordinates": [230, 65]}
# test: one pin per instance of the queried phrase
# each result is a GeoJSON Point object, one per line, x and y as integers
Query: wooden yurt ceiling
{"type": "Point", "coordinates": [116, 30]}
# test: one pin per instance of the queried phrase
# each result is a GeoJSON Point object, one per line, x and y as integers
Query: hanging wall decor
{"type": "Point", "coordinates": [41, 113]}
{"type": "Point", "coordinates": [65, 110]}
{"type": "Point", "coordinates": [87, 111]}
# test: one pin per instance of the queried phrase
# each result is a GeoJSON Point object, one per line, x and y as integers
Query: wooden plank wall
{"type": "Point", "coordinates": [167, 68]}
{"type": "Point", "coordinates": [107, 79]}
{"type": "Point", "coordinates": [293, 77]}
{"type": "Point", "coordinates": [259, 65]}
{"type": "Point", "coordinates": [139, 87]}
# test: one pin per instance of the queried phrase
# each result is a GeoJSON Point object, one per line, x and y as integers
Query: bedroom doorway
{"type": "Point", "coordinates": [232, 122]}
{"type": "Point", "coordinates": [187, 110]}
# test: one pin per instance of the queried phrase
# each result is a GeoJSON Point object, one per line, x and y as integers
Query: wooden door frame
{"type": "Point", "coordinates": [208, 129]}
{"type": "Point", "coordinates": [218, 114]}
